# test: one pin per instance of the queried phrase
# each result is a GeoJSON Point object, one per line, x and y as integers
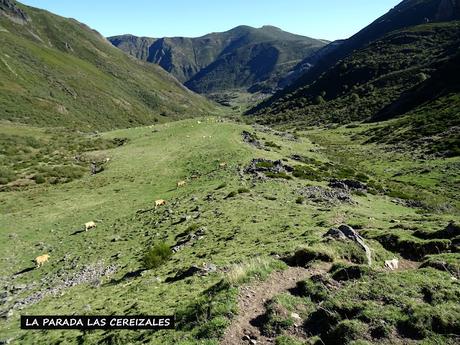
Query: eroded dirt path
{"type": "Point", "coordinates": [251, 304]}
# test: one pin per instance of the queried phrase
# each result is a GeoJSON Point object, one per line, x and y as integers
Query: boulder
{"type": "Point", "coordinates": [347, 232]}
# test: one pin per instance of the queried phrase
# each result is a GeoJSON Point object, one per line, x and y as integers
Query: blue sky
{"type": "Point", "coordinates": [327, 19]}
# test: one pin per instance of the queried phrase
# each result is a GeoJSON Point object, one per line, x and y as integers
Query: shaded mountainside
{"type": "Point", "coordinates": [368, 80]}
{"type": "Point", "coordinates": [432, 113]}
{"type": "Point", "coordinates": [408, 13]}
{"type": "Point", "coordinates": [242, 58]}
{"type": "Point", "coordinates": [58, 72]}
{"type": "Point", "coordinates": [411, 71]}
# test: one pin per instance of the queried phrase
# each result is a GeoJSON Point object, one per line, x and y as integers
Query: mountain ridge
{"type": "Point", "coordinates": [206, 64]}
{"type": "Point", "coordinates": [405, 14]}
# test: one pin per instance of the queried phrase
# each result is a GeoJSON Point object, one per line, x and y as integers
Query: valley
{"type": "Point", "coordinates": [239, 241]}
{"type": "Point", "coordinates": [263, 187]}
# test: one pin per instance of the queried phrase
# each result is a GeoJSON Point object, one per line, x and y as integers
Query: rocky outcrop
{"type": "Point", "coordinates": [327, 195]}
{"type": "Point", "coordinates": [9, 9]}
{"type": "Point", "coordinates": [346, 232]}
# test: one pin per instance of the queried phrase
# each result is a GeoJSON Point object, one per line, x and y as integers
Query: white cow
{"type": "Point", "coordinates": [90, 225]}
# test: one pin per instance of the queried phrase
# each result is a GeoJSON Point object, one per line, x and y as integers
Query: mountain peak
{"type": "Point", "coordinates": [244, 58]}
{"type": "Point", "coordinates": [270, 27]}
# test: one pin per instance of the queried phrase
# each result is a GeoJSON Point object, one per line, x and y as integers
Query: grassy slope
{"type": "Point", "coordinates": [56, 71]}
{"type": "Point", "coordinates": [419, 65]}
{"type": "Point", "coordinates": [240, 58]}
{"type": "Point", "coordinates": [366, 81]}
{"type": "Point", "coordinates": [406, 14]}
{"type": "Point", "coordinates": [42, 218]}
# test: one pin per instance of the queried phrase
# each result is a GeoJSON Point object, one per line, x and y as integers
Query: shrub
{"type": "Point", "coordinates": [347, 331]}
{"type": "Point", "coordinates": [278, 175]}
{"type": "Point", "coordinates": [39, 179]}
{"type": "Point", "coordinates": [300, 200]}
{"type": "Point", "coordinates": [272, 144]}
{"type": "Point", "coordinates": [6, 175]}
{"type": "Point", "coordinates": [265, 164]}
{"type": "Point", "coordinates": [232, 194]}
{"type": "Point", "coordinates": [157, 255]}
{"type": "Point", "coordinates": [222, 185]}
{"type": "Point", "coordinates": [303, 257]}
{"type": "Point", "coordinates": [315, 289]}
{"type": "Point", "coordinates": [306, 173]}
{"type": "Point", "coordinates": [319, 100]}
{"type": "Point", "coordinates": [285, 340]}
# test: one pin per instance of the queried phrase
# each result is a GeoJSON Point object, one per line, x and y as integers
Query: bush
{"type": "Point", "coordinates": [315, 289]}
{"type": "Point", "coordinates": [278, 175]}
{"type": "Point", "coordinates": [272, 144]}
{"type": "Point", "coordinates": [39, 179]}
{"type": "Point", "coordinates": [347, 331]}
{"type": "Point", "coordinates": [285, 340]}
{"type": "Point", "coordinates": [222, 185]}
{"type": "Point", "coordinates": [306, 173]}
{"type": "Point", "coordinates": [303, 257]}
{"type": "Point", "coordinates": [157, 256]}
{"type": "Point", "coordinates": [232, 194]}
{"type": "Point", "coordinates": [300, 200]}
{"type": "Point", "coordinates": [6, 175]}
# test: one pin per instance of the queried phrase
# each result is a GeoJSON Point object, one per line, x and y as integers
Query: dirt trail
{"type": "Point", "coordinates": [251, 304]}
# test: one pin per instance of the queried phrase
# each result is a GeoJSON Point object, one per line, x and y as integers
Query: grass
{"type": "Point", "coordinates": [406, 75]}
{"type": "Point", "coordinates": [157, 256]}
{"type": "Point", "coordinates": [258, 268]}
{"type": "Point", "coordinates": [242, 235]}
{"type": "Point", "coordinates": [31, 155]}
{"type": "Point", "coordinates": [91, 85]}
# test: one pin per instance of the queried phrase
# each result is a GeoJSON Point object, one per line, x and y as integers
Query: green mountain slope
{"type": "Point", "coordinates": [242, 58]}
{"type": "Point", "coordinates": [58, 72]}
{"type": "Point", "coordinates": [427, 115]}
{"type": "Point", "coordinates": [408, 13]}
{"type": "Point", "coordinates": [411, 71]}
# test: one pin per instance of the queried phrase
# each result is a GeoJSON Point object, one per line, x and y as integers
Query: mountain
{"type": "Point", "coordinates": [242, 58]}
{"type": "Point", "coordinates": [56, 71]}
{"type": "Point", "coordinates": [395, 75]}
{"type": "Point", "coordinates": [407, 14]}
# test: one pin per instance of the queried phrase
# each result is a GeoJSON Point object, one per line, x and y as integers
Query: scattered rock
{"type": "Point", "coordinates": [251, 139]}
{"type": "Point", "coordinates": [326, 195]}
{"type": "Point", "coordinates": [261, 167]}
{"type": "Point", "coordinates": [120, 141]}
{"type": "Point", "coordinates": [95, 168]}
{"type": "Point", "coordinates": [91, 274]}
{"type": "Point", "coordinates": [348, 185]}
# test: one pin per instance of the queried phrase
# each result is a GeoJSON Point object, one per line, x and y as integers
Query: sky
{"type": "Point", "coordinates": [325, 19]}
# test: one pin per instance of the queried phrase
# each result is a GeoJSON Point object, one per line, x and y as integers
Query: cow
{"type": "Point", "coordinates": [181, 184]}
{"type": "Point", "coordinates": [160, 202]}
{"type": "Point", "coordinates": [392, 264]}
{"type": "Point", "coordinates": [90, 225]}
{"type": "Point", "coordinates": [40, 260]}
{"type": "Point", "coordinates": [223, 165]}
